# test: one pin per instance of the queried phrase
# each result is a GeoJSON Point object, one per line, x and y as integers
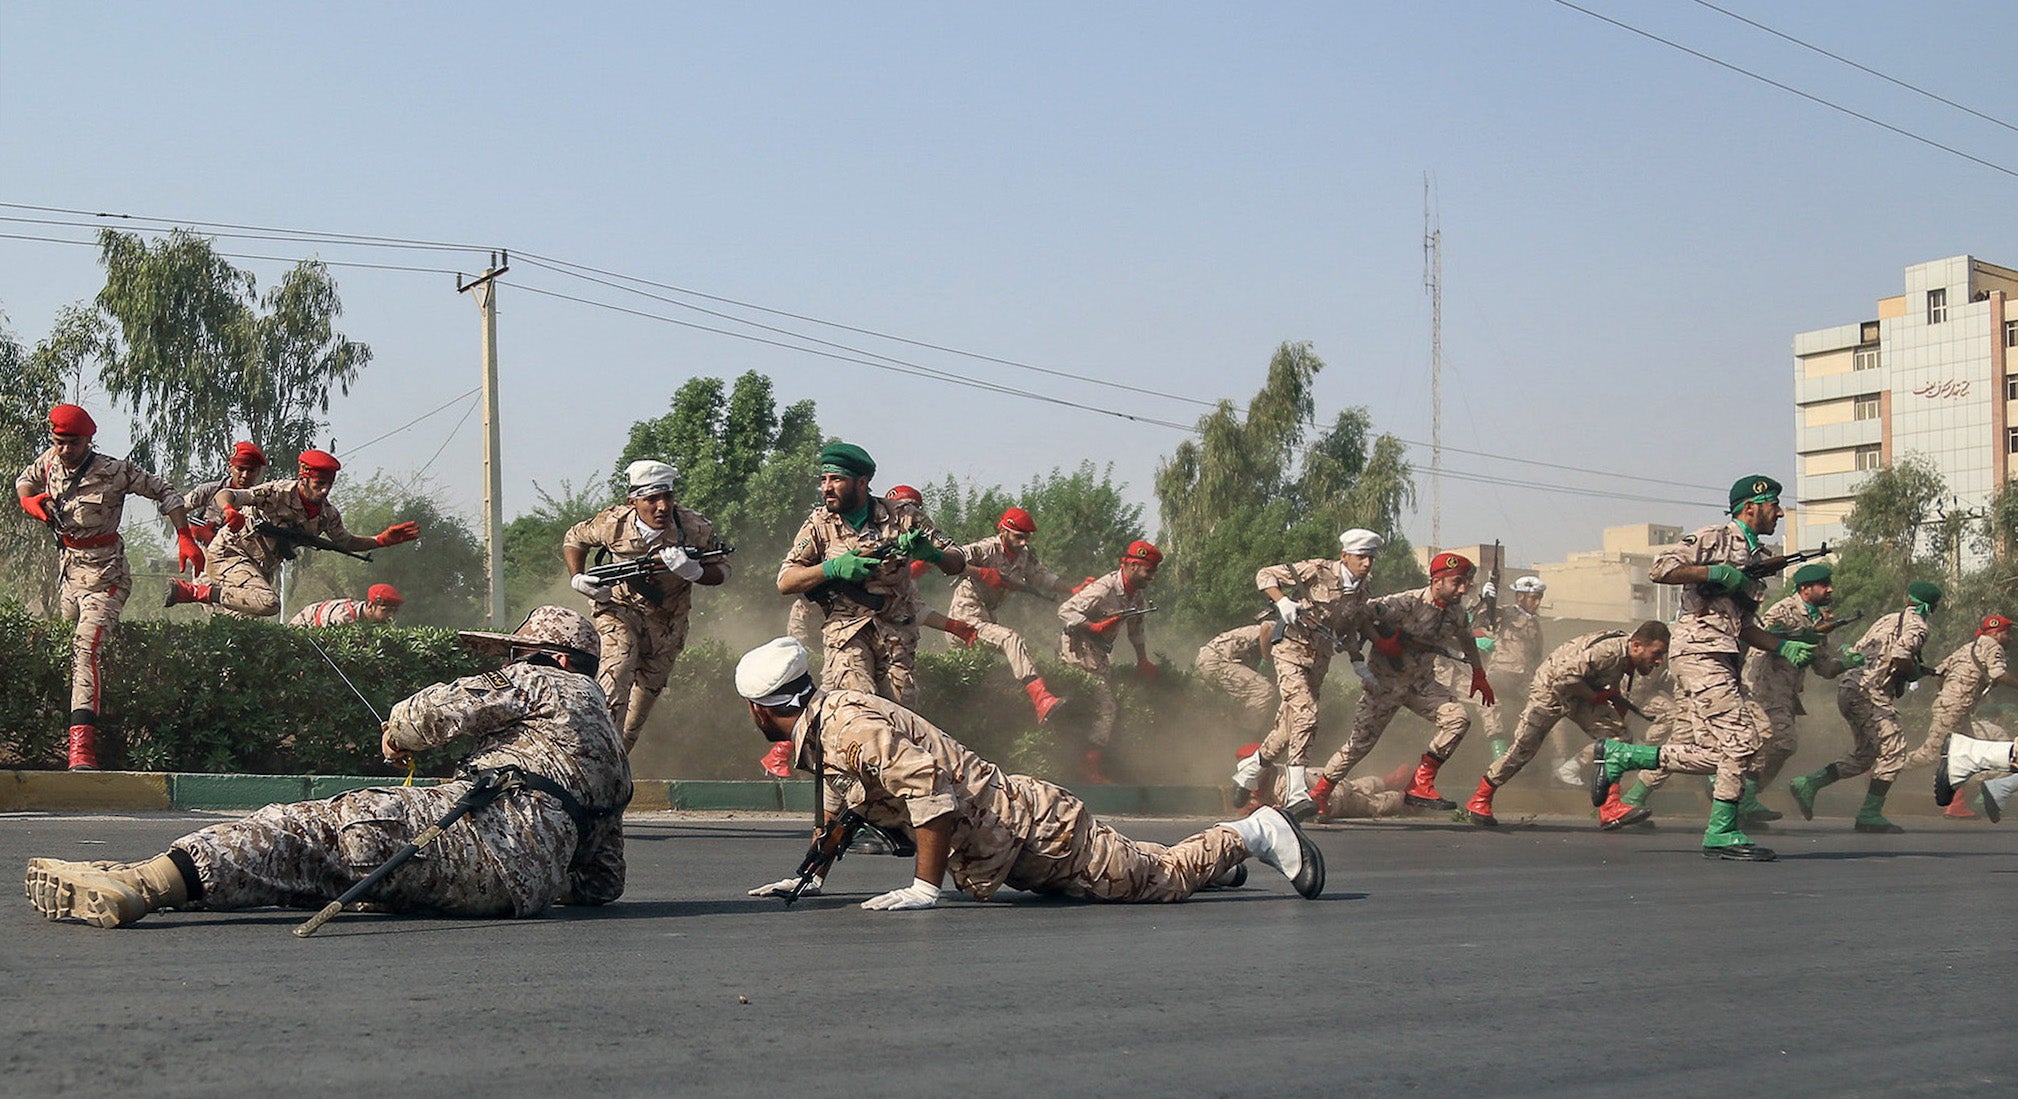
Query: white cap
{"type": "Point", "coordinates": [1530, 584]}
{"type": "Point", "coordinates": [1360, 542]}
{"type": "Point", "coordinates": [770, 674]}
{"type": "Point", "coordinates": [649, 478]}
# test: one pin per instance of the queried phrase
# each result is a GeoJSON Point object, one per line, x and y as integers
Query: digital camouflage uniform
{"type": "Point", "coordinates": [243, 563]}
{"type": "Point", "coordinates": [1598, 661]}
{"type": "Point", "coordinates": [1864, 697]}
{"type": "Point", "coordinates": [975, 602]}
{"type": "Point", "coordinates": [1775, 683]}
{"type": "Point", "coordinates": [643, 624]}
{"type": "Point", "coordinates": [96, 581]}
{"type": "Point", "coordinates": [199, 505]}
{"type": "Point", "coordinates": [513, 857]}
{"type": "Point", "coordinates": [1325, 600]}
{"type": "Point", "coordinates": [1093, 654]}
{"type": "Point", "coordinates": [1509, 666]}
{"type": "Point", "coordinates": [1966, 676]}
{"type": "Point", "coordinates": [1718, 727]}
{"type": "Point", "coordinates": [1229, 662]}
{"type": "Point", "coordinates": [329, 612]}
{"type": "Point", "coordinates": [1362, 798]}
{"type": "Point", "coordinates": [869, 650]}
{"type": "Point", "coordinates": [1409, 681]}
{"type": "Point", "coordinates": [900, 771]}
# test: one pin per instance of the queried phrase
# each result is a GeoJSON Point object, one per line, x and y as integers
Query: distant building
{"type": "Point", "coordinates": [1930, 375]}
{"type": "Point", "coordinates": [1610, 584]}
{"type": "Point", "coordinates": [1480, 555]}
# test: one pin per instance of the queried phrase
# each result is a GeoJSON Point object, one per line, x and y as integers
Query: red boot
{"type": "Point", "coordinates": [1042, 698]}
{"type": "Point", "coordinates": [1479, 808]}
{"type": "Point", "coordinates": [1321, 794]}
{"type": "Point", "coordinates": [777, 762]}
{"type": "Point", "coordinates": [83, 747]}
{"type": "Point", "coordinates": [1089, 769]}
{"type": "Point", "coordinates": [1959, 808]}
{"type": "Point", "coordinates": [182, 591]}
{"type": "Point", "coordinates": [1421, 791]}
{"type": "Point", "coordinates": [1397, 779]}
{"type": "Point", "coordinates": [1615, 814]}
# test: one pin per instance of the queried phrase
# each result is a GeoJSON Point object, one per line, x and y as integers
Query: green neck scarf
{"type": "Point", "coordinates": [855, 519]}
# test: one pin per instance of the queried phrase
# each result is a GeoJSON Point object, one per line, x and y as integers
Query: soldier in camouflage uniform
{"type": "Point", "coordinates": [1587, 681]}
{"type": "Point", "coordinates": [81, 494]}
{"type": "Point", "coordinates": [1368, 797]}
{"type": "Point", "coordinates": [247, 463]}
{"type": "Point", "coordinates": [850, 556]}
{"type": "Point", "coordinates": [1409, 630]}
{"type": "Point", "coordinates": [380, 605]}
{"type": "Point", "coordinates": [244, 562]}
{"type": "Point", "coordinates": [1230, 662]}
{"type": "Point", "coordinates": [1967, 675]}
{"type": "Point", "coordinates": [996, 567]}
{"type": "Point", "coordinates": [1096, 612]}
{"type": "Point", "coordinates": [1324, 619]}
{"type": "Point", "coordinates": [643, 623]}
{"type": "Point", "coordinates": [1984, 749]}
{"type": "Point", "coordinates": [1720, 726]}
{"type": "Point", "coordinates": [989, 828]}
{"type": "Point", "coordinates": [1775, 683]}
{"type": "Point", "coordinates": [1510, 636]}
{"type": "Point", "coordinates": [1890, 657]}
{"type": "Point", "coordinates": [554, 834]}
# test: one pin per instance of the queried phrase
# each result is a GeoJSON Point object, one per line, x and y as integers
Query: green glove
{"type": "Point", "coordinates": [918, 546]}
{"type": "Point", "coordinates": [1729, 577]}
{"type": "Point", "coordinates": [1852, 658]}
{"type": "Point", "coordinates": [852, 567]}
{"type": "Point", "coordinates": [1797, 653]}
{"type": "Point", "coordinates": [1485, 644]}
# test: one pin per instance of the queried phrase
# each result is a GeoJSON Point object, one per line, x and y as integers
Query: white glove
{"type": "Point", "coordinates": [586, 584]}
{"type": "Point", "coordinates": [1366, 676]}
{"type": "Point", "coordinates": [679, 564]}
{"type": "Point", "coordinates": [780, 888]}
{"type": "Point", "coordinates": [919, 894]}
{"type": "Point", "coordinates": [1286, 607]}
{"type": "Point", "coordinates": [1488, 592]}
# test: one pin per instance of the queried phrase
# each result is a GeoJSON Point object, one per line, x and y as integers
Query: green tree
{"type": "Point", "coordinates": [1084, 519]}
{"type": "Point", "coordinates": [29, 384]}
{"type": "Point", "coordinates": [441, 575]}
{"type": "Point", "coordinates": [1887, 544]}
{"type": "Point", "coordinates": [532, 544]}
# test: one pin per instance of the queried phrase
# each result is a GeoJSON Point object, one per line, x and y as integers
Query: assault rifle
{"type": "Point", "coordinates": [289, 542]}
{"type": "Point", "coordinates": [828, 847]}
{"type": "Point", "coordinates": [1281, 630]}
{"type": "Point", "coordinates": [1900, 677]}
{"type": "Point", "coordinates": [1759, 570]}
{"type": "Point", "coordinates": [1815, 634]}
{"type": "Point", "coordinates": [639, 570]}
{"type": "Point", "coordinates": [829, 592]}
{"type": "Point", "coordinates": [1420, 645]}
{"type": "Point", "coordinates": [1489, 614]}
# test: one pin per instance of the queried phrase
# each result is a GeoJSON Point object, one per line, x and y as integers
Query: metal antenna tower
{"type": "Point", "coordinates": [1432, 281]}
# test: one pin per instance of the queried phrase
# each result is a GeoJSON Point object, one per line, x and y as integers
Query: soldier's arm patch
{"type": "Point", "coordinates": [498, 680]}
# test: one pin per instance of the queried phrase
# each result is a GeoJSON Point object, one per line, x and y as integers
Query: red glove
{"type": "Point", "coordinates": [234, 518]}
{"type": "Point", "coordinates": [397, 533]}
{"type": "Point", "coordinates": [202, 532]}
{"type": "Point", "coordinates": [988, 576]}
{"type": "Point", "coordinates": [1147, 668]}
{"type": "Point", "coordinates": [38, 506]}
{"type": "Point", "coordinates": [1610, 697]}
{"type": "Point", "coordinates": [962, 632]}
{"type": "Point", "coordinates": [1480, 687]}
{"type": "Point", "coordinates": [1081, 586]}
{"type": "Point", "coordinates": [918, 568]}
{"type": "Point", "coordinates": [1388, 645]}
{"type": "Point", "coordinates": [1105, 626]}
{"type": "Point", "coordinates": [188, 555]}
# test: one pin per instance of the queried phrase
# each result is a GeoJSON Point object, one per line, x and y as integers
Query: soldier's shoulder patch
{"type": "Point", "coordinates": [498, 680]}
{"type": "Point", "coordinates": [1688, 539]}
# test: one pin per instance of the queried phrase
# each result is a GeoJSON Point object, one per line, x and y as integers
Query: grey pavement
{"type": "Point", "coordinates": [1541, 959]}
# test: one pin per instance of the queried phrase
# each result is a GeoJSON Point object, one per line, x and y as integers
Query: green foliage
{"type": "Point", "coordinates": [29, 384]}
{"type": "Point", "coordinates": [532, 543]}
{"type": "Point", "coordinates": [1084, 520]}
{"type": "Point", "coordinates": [1887, 545]}
{"type": "Point", "coordinates": [441, 575]}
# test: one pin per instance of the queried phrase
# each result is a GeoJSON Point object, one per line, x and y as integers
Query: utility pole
{"type": "Point", "coordinates": [484, 287]}
{"type": "Point", "coordinates": [1432, 281]}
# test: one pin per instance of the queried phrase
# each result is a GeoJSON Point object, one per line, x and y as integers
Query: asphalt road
{"type": "Point", "coordinates": [1443, 960]}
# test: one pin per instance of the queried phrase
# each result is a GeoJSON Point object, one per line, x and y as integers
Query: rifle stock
{"type": "Point", "coordinates": [828, 847]}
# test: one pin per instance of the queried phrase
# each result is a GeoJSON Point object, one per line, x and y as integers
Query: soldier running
{"type": "Point", "coordinates": [81, 494]}
{"type": "Point", "coordinates": [1513, 650]}
{"type": "Point", "coordinates": [1775, 683]}
{"type": "Point", "coordinates": [643, 622]}
{"type": "Point", "coordinates": [243, 470]}
{"type": "Point", "coordinates": [380, 606]}
{"type": "Point", "coordinates": [554, 835]}
{"type": "Point", "coordinates": [1232, 662]}
{"type": "Point", "coordinates": [989, 828]}
{"type": "Point", "coordinates": [998, 566]}
{"type": "Point", "coordinates": [244, 562]}
{"type": "Point", "coordinates": [1095, 613]}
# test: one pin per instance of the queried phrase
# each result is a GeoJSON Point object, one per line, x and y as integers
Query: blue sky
{"type": "Point", "coordinates": [1152, 194]}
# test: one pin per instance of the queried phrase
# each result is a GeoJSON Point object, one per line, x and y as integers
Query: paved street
{"type": "Point", "coordinates": [1443, 960]}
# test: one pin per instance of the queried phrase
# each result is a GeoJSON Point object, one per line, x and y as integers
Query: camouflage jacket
{"type": "Point", "coordinates": [1710, 619]}
{"type": "Point", "coordinates": [1323, 599]}
{"type": "Point", "coordinates": [280, 503]}
{"type": "Point", "coordinates": [89, 501]}
{"type": "Point", "coordinates": [616, 531]}
{"type": "Point", "coordinates": [825, 535]}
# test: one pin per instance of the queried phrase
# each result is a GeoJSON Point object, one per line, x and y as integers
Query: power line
{"type": "Point", "coordinates": [1916, 89]}
{"type": "Point", "coordinates": [1790, 89]}
{"type": "Point", "coordinates": [417, 419]}
{"type": "Point", "coordinates": [364, 238]}
{"type": "Point", "coordinates": [248, 256]}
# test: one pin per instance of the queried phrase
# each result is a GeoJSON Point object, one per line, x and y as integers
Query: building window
{"type": "Point", "coordinates": [2011, 333]}
{"type": "Point", "coordinates": [2011, 388]}
{"type": "Point", "coordinates": [1866, 358]}
{"type": "Point", "coordinates": [1866, 408]}
{"type": "Point", "coordinates": [2011, 440]}
{"type": "Point", "coordinates": [1870, 457]}
{"type": "Point", "coordinates": [1937, 306]}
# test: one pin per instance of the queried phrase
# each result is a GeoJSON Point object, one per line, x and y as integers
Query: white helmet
{"type": "Point", "coordinates": [1527, 585]}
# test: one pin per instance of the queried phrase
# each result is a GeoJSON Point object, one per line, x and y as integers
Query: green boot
{"type": "Point", "coordinates": [1750, 811]}
{"type": "Point", "coordinates": [1871, 818]}
{"type": "Point", "coordinates": [1638, 795]}
{"type": "Point", "coordinates": [1723, 840]}
{"type": "Point", "coordinates": [1806, 787]}
{"type": "Point", "coordinates": [1497, 746]}
{"type": "Point", "coordinates": [1614, 759]}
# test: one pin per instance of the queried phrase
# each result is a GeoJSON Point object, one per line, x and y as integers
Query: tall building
{"type": "Point", "coordinates": [1929, 375]}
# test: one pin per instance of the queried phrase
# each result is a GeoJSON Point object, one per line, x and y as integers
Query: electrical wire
{"type": "Point", "coordinates": [417, 419]}
{"type": "Point", "coordinates": [363, 238]}
{"type": "Point", "coordinates": [247, 256]}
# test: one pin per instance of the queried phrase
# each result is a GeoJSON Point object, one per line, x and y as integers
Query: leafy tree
{"type": "Point", "coordinates": [1084, 520]}
{"type": "Point", "coordinates": [1887, 544]}
{"type": "Point", "coordinates": [532, 544]}
{"type": "Point", "coordinates": [29, 384]}
{"type": "Point", "coordinates": [441, 575]}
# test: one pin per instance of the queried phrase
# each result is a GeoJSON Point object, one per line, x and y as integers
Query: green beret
{"type": "Point", "coordinates": [1812, 574]}
{"type": "Point", "coordinates": [1921, 591]}
{"type": "Point", "coordinates": [1757, 487]}
{"type": "Point", "coordinates": [846, 459]}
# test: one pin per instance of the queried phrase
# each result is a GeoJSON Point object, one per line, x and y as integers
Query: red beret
{"type": "Point", "coordinates": [1145, 552]}
{"type": "Point", "coordinates": [1017, 519]}
{"type": "Point", "coordinates": [905, 493]}
{"type": "Point", "coordinates": [319, 461]}
{"type": "Point", "coordinates": [248, 456]}
{"type": "Point", "coordinates": [1445, 563]}
{"type": "Point", "coordinates": [384, 594]}
{"type": "Point", "coordinates": [1992, 622]}
{"type": "Point", "coordinates": [68, 419]}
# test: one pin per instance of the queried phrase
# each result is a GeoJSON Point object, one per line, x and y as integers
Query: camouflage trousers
{"type": "Point", "coordinates": [1425, 697]}
{"type": "Point", "coordinates": [1778, 745]}
{"type": "Point", "coordinates": [1717, 728]}
{"type": "Point", "coordinates": [1010, 643]}
{"type": "Point", "coordinates": [1296, 717]}
{"type": "Point", "coordinates": [1248, 687]}
{"type": "Point", "coordinates": [1949, 718]}
{"type": "Point", "coordinates": [876, 659]}
{"type": "Point", "coordinates": [1105, 865]}
{"type": "Point", "coordinates": [800, 626]}
{"type": "Point", "coordinates": [509, 858]}
{"type": "Point", "coordinates": [1546, 709]}
{"type": "Point", "coordinates": [1492, 719]}
{"type": "Point", "coordinates": [1106, 711]}
{"type": "Point", "coordinates": [1876, 743]}
{"type": "Point", "coordinates": [242, 587]}
{"type": "Point", "coordinates": [93, 593]}
{"type": "Point", "coordinates": [639, 649]}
